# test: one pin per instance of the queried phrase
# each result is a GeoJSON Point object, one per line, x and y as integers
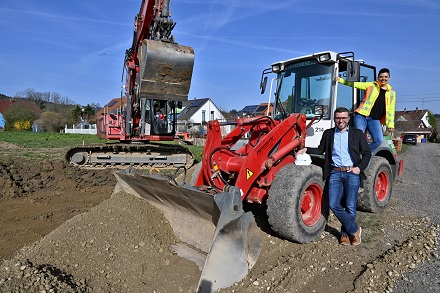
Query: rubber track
{"type": "Point", "coordinates": [133, 148]}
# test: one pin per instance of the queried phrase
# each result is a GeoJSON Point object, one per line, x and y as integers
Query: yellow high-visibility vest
{"type": "Point", "coordinates": [372, 90]}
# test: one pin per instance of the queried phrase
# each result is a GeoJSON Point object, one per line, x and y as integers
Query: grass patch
{"type": "Point", "coordinates": [197, 152]}
{"type": "Point", "coordinates": [34, 140]}
{"type": "Point", "coordinates": [28, 139]}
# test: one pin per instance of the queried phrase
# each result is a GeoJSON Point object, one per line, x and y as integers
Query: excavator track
{"type": "Point", "coordinates": [121, 155]}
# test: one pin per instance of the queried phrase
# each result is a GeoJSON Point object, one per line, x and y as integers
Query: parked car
{"type": "Point", "coordinates": [409, 139]}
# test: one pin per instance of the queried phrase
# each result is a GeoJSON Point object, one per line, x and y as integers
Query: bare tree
{"type": "Point", "coordinates": [51, 121]}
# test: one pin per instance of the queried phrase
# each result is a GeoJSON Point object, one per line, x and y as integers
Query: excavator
{"type": "Point", "coordinates": [157, 74]}
{"type": "Point", "coordinates": [213, 230]}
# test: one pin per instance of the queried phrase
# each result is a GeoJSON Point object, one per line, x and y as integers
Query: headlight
{"type": "Point", "coordinates": [324, 57]}
{"type": "Point", "coordinates": [276, 68]}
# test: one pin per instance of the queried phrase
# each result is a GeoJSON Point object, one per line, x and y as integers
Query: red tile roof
{"type": "Point", "coordinates": [112, 105]}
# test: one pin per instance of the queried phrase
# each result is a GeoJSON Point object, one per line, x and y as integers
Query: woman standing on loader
{"type": "Point", "coordinates": [377, 107]}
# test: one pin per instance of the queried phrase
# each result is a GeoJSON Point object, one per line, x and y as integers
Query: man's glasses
{"type": "Point", "coordinates": [341, 118]}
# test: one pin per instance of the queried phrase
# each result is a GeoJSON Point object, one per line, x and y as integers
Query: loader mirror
{"type": "Point", "coordinates": [263, 85]}
{"type": "Point", "coordinates": [179, 104]}
{"type": "Point", "coordinates": [353, 71]}
{"type": "Point", "coordinates": [321, 110]}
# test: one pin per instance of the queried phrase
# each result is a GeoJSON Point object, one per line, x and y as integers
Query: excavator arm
{"type": "Point", "coordinates": [156, 68]}
{"type": "Point", "coordinates": [156, 71]}
{"type": "Point", "coordinates": [153, 22]}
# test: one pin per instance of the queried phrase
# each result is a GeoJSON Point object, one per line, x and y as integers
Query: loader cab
{"type": "Point", "coordinates": [305, 82]}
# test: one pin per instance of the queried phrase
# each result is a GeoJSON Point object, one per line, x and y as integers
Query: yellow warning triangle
{"type": "Point", "coordinates": [249, 174]}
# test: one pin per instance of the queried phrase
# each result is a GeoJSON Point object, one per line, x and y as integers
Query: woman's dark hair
{"type": "Point", "coordinates": [384, 70]}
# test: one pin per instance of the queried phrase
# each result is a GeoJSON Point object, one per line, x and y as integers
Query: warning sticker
{"type": "Point", "coordinates": [249, 174]}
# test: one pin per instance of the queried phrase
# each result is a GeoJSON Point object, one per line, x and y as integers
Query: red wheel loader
{"type": "Point", "coordinates": [256, 163]}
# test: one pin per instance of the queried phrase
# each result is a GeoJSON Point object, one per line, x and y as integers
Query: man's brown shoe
{"type": "Point", "coordinates": [356, 240]}
{"type": "Point", "coordinates": [344, 240]}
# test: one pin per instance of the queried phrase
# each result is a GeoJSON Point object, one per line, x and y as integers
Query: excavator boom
{"type": "Point", "coordinates": [213, 229]}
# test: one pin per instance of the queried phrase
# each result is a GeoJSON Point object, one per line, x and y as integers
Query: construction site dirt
{"type": "Point", "coordinates": [63, 229]}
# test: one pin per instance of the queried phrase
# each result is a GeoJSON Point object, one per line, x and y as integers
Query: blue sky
{"type": "Point", "coordinates": [76, 48]}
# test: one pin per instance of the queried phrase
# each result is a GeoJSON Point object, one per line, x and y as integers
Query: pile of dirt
{"type": "Point", "coordinates": [119, 246]}
{"type": "Point", "coordinates": [123, 245]}
{"type": "Point", "coordinates": [20, 178]}
{"type": "Point", "coordinates": [36, 196]}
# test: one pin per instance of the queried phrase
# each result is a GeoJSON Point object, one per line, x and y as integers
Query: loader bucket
{"type": "Point", "coordinates": [165, 70]}
{"type": "Point", "coordinates": [216, 225]}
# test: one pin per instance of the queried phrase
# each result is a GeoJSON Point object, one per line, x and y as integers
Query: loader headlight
{"type": "Point", "coordinates": [276, 68]}
{"type": "Point", "coordinates": [324, 57]}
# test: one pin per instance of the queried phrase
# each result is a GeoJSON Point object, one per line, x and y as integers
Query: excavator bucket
{"type": "Point", "coordinates": [228, 237]}
{"type": "Point", "coordinates": [165, 70]}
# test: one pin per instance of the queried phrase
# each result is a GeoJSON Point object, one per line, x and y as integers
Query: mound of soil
{"type": "Point", "coordinates": [37, 196]}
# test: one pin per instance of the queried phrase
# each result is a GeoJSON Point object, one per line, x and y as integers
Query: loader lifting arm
{"type": "Point", "coordinates": [252, 167]}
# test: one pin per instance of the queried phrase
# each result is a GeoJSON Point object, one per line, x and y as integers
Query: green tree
{"type": "Point", "coordinates": [431, 119]}
{"type": "Point", "coordinates": [76, 114]}
{"type": "Point", "coordinates": [88, 112]}
{"type": "Point", "coordinates": [19, 115]}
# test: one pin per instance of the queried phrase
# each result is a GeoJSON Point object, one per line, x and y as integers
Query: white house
{"type": "Point", "coordinates": [196, 113]}
{"type": "Point", "coordinates": [413, 115]}
{"type": "Point", "coordinates": [413, 122]}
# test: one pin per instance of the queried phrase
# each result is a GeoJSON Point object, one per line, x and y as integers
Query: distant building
{"type": "Point", "coordinates": [256, 110]}
{"type": "Point", "coordinates": [413, 122]}
{"type": "Point", "coordinates": [196, 113]}
{"type": "Point", "coordinates": [2, 121]}
{"type": "Point", "coordinates": [114, 106]}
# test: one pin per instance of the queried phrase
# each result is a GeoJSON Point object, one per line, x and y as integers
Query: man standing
{"type": "Point", "coordinates": [347, 154]}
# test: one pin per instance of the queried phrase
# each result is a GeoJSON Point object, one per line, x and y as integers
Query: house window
{"type": "Point", "coordinates": [212, 115]}
{"type": "Point", "coordinates": [203, 117]}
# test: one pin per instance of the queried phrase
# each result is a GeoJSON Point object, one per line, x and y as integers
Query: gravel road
{"type": "Point", "coordinates": [418, 193]}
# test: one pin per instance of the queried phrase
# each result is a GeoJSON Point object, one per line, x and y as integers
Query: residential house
{"type": "Point", "coordinates": [196, 113]}
{"type": "Point", "coordinates": [256, 110]}
{"type": "Point", "coordinates": [2, 121]}
{"type": "Point", "coordinates": [114, 106]}
{"type": "Point", "coordinates": [413, 122]}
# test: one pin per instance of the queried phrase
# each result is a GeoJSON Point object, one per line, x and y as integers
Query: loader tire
{"type": "Point", "coordinates": [296, 207]}
{"type": "Point", "coordinates": [377, 187]}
